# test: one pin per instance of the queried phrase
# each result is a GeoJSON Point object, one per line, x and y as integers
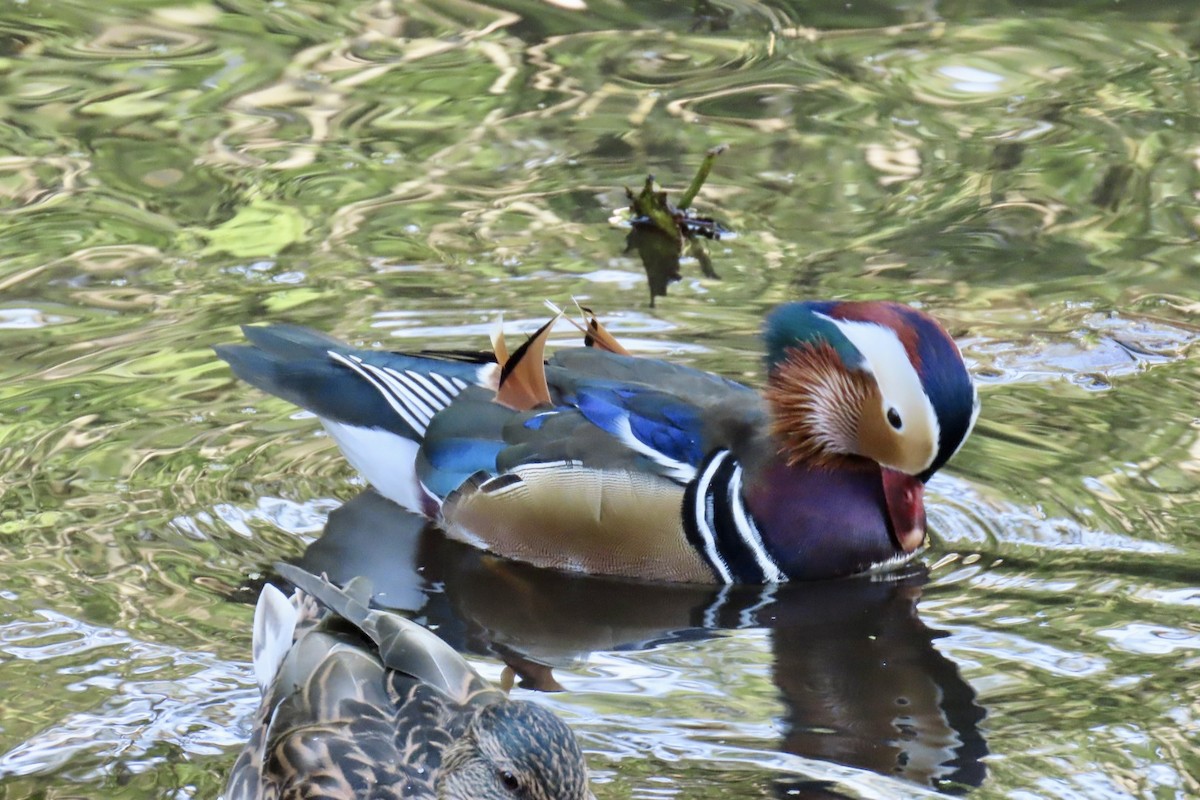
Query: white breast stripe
{"type": "Point", "coordinates": [458, 382]}
{"type": "Point", "coordinates": [676, 470]}
{"type": "Point", "coordinates": [392, 400]}
{"type": "Point", "coordinates": [703, 514]}
{"type": "Point", "coordinates": [749, 531]}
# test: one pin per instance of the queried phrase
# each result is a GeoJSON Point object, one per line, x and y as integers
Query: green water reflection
{"type": "Point", "coordinates": [396, 172]}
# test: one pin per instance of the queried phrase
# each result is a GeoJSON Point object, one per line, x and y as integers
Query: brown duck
{"type": "Point", "coordinates": [363, 703]}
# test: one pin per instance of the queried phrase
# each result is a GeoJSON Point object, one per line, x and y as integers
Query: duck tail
{"type": "Point", "coordinates": [376, 404]}
{"type": "Point", "coordinates": [275, 619]}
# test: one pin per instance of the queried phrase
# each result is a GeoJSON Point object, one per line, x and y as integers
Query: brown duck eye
{"type": "Point", "coordinates": [894, 418]}
{"type": "Point", "coordinates": [509, 780]}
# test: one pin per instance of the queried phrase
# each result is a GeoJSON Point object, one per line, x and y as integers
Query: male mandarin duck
{"type": "Point", "coordinates": [363, 703]}
{"type": "Point", "coordinates": [602, 462]}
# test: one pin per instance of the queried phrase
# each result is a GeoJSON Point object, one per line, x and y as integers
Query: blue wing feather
{"type": "Point", "coordinates": [664, 404]}
{"type": "Point", "coordinates": [448, 463]}
{"type": "Point", "coordinates": [660, 421]}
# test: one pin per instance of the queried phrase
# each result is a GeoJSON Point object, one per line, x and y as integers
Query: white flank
{"type": "Point", "coordinates": [897, 379]}
{"type": "Point", "coordinates": [703, 512]}
{"type": "Point", "coordinates": [275, 621]}
{"type": "Point", "coordinates": [749, 531]}
{"type": "Point", "coordinates": [676, 470]}
{"type": "Point", "coordinates": [387, 460]}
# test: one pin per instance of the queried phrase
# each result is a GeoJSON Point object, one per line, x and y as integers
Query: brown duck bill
{"type": "Point", "coordinates": [905, 498]}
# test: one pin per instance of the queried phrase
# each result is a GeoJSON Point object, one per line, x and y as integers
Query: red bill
{"type": "Point", "coordinates": [905, 498]}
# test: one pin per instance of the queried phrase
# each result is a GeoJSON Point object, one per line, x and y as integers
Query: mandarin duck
{"type": "Point", "coordinates": [602, 462]}
{"type": "Point", "coordinates": [363, 703]}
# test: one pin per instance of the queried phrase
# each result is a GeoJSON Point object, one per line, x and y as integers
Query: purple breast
{"type": "Point", "coordinates": [821, 523]}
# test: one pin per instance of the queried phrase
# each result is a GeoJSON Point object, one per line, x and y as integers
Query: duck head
{"type": "Point", "coordinates": [869, 380]}
{"type": "Point", "coordinates": [514, 749]}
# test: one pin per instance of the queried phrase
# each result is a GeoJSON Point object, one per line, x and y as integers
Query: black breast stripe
{"type": "Point", "coordinates": [697, 515]}
{"type": "Point", "coordinates": [731, 540]}
{"type": "Point", "coordinates": [719, 527]}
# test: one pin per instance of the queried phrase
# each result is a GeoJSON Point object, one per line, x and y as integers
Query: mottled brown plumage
{"type": "Point", "coordinates": [362, 703]}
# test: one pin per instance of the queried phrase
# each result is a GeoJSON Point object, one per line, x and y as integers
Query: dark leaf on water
{"type": "Point", "coordinates": [660, 230]}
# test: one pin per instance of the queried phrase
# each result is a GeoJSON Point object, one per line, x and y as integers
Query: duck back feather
{"type": "Point", "coordinates": [363, 703]}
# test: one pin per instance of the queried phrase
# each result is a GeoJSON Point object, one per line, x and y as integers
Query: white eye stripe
{"type": "Point", "coordinates": [895, 375]}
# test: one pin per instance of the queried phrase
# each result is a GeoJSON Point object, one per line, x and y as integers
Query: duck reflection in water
{"type": "Point", "coordinates": [857, 670]}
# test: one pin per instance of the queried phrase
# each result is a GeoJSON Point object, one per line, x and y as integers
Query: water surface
{"type": "Point", "coordinates": [396, 173]}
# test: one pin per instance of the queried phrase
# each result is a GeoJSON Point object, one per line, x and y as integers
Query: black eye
{"type": "Point", "coordinates": [894, 418]}
{"type": "Point", "coordinates": [510, 781]}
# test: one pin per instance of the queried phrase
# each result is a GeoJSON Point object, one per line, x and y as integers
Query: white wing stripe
{"type": "Point", "coordinates": [392, 400]}
{"type": "Point", "coordinates": [421, 386]}
{"type": "Point", "coordinates": [402, 391]}
{"type": "Point", "coordinates": [435, 391]}
{"type": "Point", "coordinates": [446, 384]}
{"type": "Point", "coordinates": [428, 407]}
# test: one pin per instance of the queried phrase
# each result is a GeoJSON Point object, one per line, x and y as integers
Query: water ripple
{"type": "Point", "coordinates": [166, 695]}
{"type": "Point", "coordinates": [399, 172]}
{"type": "Point", "coordinates": [961, 514]}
